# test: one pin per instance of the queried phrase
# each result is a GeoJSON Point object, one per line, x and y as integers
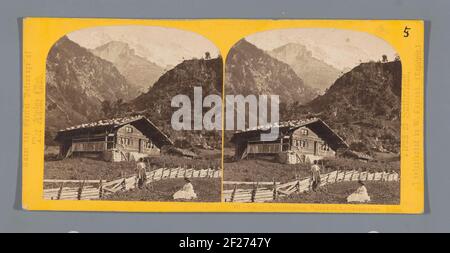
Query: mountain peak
{"type": "Point", "coordinates": [115, 44]}
{"type": "Point", "coordinates": [291, 46]}
{"type": "Point", "coordinates": [314, 72]}
{"type": "Point", "coordinates": [139, 72]}
{"type": "Point", "coordinates": [250, 70]}
{"type": "Point", "coordinates": [113, 50]}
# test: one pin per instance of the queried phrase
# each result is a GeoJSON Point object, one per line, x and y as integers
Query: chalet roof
{"type": "Point", "coordinates": [286, 127]}
{"type": "Point", "coordinates": [107, 125]}
{"type": "Point", "coordinates": [283, 124]}
{"type": "Point", "coordinates": [104, 123]}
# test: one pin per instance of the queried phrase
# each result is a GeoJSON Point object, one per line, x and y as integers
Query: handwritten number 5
{"type": "Point", "coordinates": [406, 31]}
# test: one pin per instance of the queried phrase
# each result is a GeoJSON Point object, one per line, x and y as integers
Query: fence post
{"type": "Point", "coordinates": [343, 178]}
{"type": "Point", "coordinates": [80, 190]}
{"type": "Point", "coordinates": [162, 172]}
{"type": "Point", "coordinates": [275, 191]}
{"type": "Point", "coordinates": [178, 172]}
{"type": "Point", "coordinates": [255, 187]}
{"type": "Point", "coordinates": [100, 189]}
{"type": "Point", "coordinates": [124, 185]}
{"type": "Point", "coordinates": [337, 175]}
{"type": "Point", "coordinates": [58, 197]}
{"type": "Point", "coordinates": [153, 175]}
{"type": "Point", "coordinates": [233, 193]}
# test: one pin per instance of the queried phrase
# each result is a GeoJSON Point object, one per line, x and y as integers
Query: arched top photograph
{"type": "Point", "coordinates": [338, 111]}
{"type": "Point", "coordinates": [108, 114]}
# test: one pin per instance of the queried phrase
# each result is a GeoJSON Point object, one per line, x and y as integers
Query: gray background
{"type": "Point", "coordinates": [437, 57]}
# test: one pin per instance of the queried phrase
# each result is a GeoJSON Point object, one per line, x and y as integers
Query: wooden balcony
{"type": "Point", "coordinates": [91, 146]}
{"type": "Point", "coordinates": [266, 148]}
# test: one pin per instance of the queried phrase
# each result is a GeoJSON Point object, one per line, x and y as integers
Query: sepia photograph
{"type": "Point", "coordinates": [337, 124]}
{"type": "Point", "coordinates": [108, 131]}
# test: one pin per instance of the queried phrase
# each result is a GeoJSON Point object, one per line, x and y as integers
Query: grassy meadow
{"type": "Point", "coordinates": [379, 192]}
{"type": "Point", "coordinates": [207, 190]}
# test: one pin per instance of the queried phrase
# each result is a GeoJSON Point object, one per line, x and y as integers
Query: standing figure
{"type": "Point", "coordinates": [315, 175]}
{"type": "Point", "coordinates": [140, 172]}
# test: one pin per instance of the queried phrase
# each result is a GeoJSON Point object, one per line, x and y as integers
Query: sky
{"type": "Point", "coordinates": [344, 49]}
{"type": "Point", "coordinates": [163, 46]}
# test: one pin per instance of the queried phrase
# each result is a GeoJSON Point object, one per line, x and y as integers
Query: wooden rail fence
{"type": "Point", "coordinates": [84, 192]}
{"type": "Point", "coordinates": [264, 194]}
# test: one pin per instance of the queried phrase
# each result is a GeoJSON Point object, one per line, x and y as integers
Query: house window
{"type": "Point", "coordinates": [302, 143]}
{"type": "Point", "coordinates": [149, 144]}
{"type": "Point", "coordinates": [304, 131]}
{"type": "Point", "coordinates": [125, 141]}
{"type": "Point", "coordinates": [325, 147]}
{"type": "Point", "coordinates": [129, 129]}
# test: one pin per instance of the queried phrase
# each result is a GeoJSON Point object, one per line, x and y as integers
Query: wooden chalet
{"type": "Point", "coordinates": [297, 142]}
{"type": "Point", "coordinates": [120, 139]}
